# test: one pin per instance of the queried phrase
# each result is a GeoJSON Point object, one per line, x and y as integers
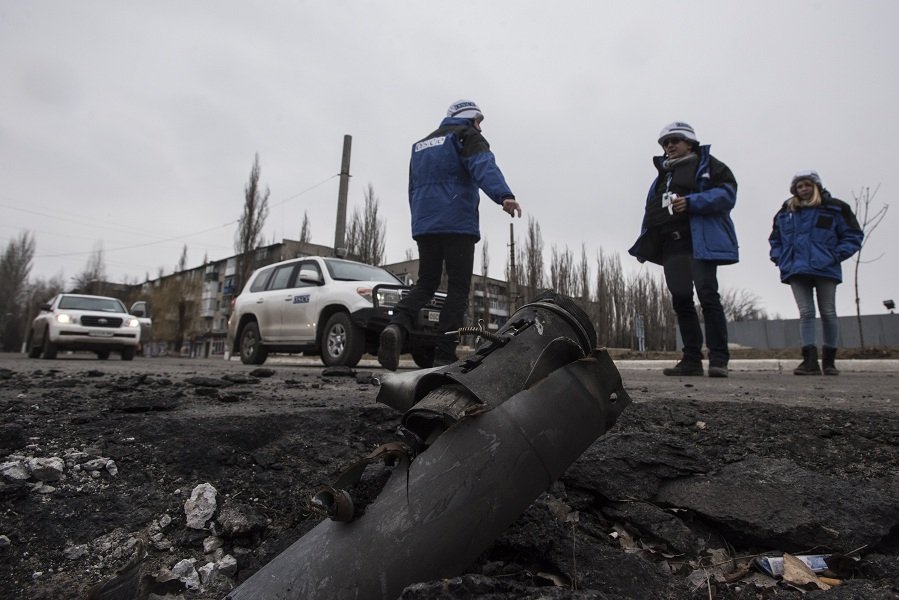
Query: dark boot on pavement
{"type": "Point", "coordinates": [827, 361]}
{"type": "Point", "coordinates": [391, 346]}
{"type": "Point", "coordinates": [685, 368]}
{"type": "Point", "coordinates": [717, 370]}
{"type": "Point", "coordinates": [809, 364]}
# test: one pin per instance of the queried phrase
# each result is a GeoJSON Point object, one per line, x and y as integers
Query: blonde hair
{"type": "Point", "coordinates": [795, 203]}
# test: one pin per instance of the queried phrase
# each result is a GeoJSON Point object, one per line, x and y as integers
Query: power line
{"type": "Point", "coordinates": [171, 239]}
{"type": "Point", "coordinates": [309, 189]}
{"type": "Point", "coordinates": [153, 243]}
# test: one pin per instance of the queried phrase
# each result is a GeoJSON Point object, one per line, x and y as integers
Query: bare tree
{"type": "Point", "coordinates": [15, 266]}
{"type": "Point", "coordinates": [868, 221]}
{"type": "Point", "coordinates": [250, 225]}
{"type": "Point", "coordinates": [609, 312]}
{"type": "Point", "coordinates": [742, 305]}
{"type": "Point", "coordinates": [40, 291]}
{"type": "Point", "coordinates": [562, 274]}
{"type": "Point", "coordinates": [175, 301]}
{"type": "Point", "coordinates": [408, 254]}
{"type": "Point", "coordinates": [513, 271]}
{"type": "Point", "coordinates": [647, 298]}
{"type": "Point", "coordinates": [353, 235]}
{"type": "Point", "coordinates": [515, 276]}
{"type": "Point", "coordinates": [366, 233]}
{"type": "Point", "coordinates": [582, 276]}
{"type": "Point", "coordinates": [533, 261]}
{"type": "Point", "coordinates": [305, 235]}
{"type": "Point", "coordinates": [92, 280]}
{"type": "Point", "coordinates": [37, 292]}
{"type": "Point", "coordinates": [625, 310]}
{"type": "Point", "coordinates": [182, 261]}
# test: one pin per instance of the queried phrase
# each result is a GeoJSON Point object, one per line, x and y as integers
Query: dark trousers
{"type": "Point", "coordinates": [456, 253]}
{"type": "Point", "coordinates": [682, 274]}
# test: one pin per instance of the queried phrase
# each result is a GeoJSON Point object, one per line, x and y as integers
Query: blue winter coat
{"type": "Point", "coordinates": [713, 234]}
{"type": "Point", "coordinates": [814, 240]}
{"type": "Point", "coordinates": [445, 172]}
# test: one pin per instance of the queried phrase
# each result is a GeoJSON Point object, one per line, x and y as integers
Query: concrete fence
{"type": "Point", "coordinates": [879, 331]}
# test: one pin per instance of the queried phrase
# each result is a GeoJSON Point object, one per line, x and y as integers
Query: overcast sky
{"type": "Point", "coordinates": [134, 124]}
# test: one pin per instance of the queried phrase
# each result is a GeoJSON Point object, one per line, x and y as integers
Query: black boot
{"type": "Point", "coordinates": [830, 354]}
{"type": "Point", "coordinates": [809, 364]}
{"type": "Point", "coordinates": [391, 346]}
{"type": "Point", "coordinates": [685, 368]}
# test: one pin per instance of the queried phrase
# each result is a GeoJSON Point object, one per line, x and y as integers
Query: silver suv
{"type": "Point", "coordinates": [329, 307]}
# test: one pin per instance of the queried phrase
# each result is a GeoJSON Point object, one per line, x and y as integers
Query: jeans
{"type": "Point", "coordinates": [804, 288]}
{"type": "Point", "coordinates": [456, 252]}
{"type": "Point", "coordinates": [682, 273]}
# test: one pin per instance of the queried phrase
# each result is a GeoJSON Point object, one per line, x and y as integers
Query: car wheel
{"type": "Point", "coordinates": [50, 349]}
{"type": "Point", "coordinates": [343, 342]}
{"type": "Point", "coordinates": [423, 356]}
{"type": "Point", "coordinates": [127, 353]}
{"type": "Point", "coordinates": [34, 351]}
{"type": "Point", "coordinates": [252, 352]}
{"type": "Point", "coordinates": [103, 354]}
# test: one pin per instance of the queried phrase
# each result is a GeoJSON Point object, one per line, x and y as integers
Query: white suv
{"type": "Point", "coordinates": [78, 322]}
{"type": "Point", "coordinates": [330, 307]}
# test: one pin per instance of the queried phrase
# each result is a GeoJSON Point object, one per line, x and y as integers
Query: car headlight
{"type": "Point", "coordinates": [365, 292]}
{"type": "Point", "coordinates": [64, 318]}
{"type": "Point", "coordinates": [388, 297]}
{"type": "Point", "coordinates": [132, 323]}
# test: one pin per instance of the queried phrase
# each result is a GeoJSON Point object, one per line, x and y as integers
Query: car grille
{"type": "Point", "coordinates": [94, 321]}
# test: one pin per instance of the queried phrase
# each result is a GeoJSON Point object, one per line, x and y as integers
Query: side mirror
{"type": "Point", "coordinates": [45, 308]}
{"type": "Point", "coordinates": [140, 309]}
{"type": "Point", "coordinates": [310, 276]}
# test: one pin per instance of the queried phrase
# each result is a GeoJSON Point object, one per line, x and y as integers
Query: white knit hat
{"type": "Point", "coordinates": [464, 109]}
{"type": "Point", "coordinates": [678, 129]}
{"type": "Point", "coordinates": [808, 175]}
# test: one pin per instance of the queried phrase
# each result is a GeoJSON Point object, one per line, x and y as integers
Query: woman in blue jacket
{"type": "Point", "coordinates": [813, 233]}
{"type": "Point", "coordinates": [688, 230]}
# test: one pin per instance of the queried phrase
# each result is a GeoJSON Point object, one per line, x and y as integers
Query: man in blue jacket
{"type": "Point", "coordinates": [446, 172]}
{"type": "Point", "coordinates": [688, 230]}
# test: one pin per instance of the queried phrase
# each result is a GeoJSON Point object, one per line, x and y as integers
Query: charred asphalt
{"type": "Point", "coordinates": [102, 462]}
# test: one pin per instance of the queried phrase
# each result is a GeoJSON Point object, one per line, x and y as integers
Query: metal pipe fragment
{"type": "Point", "coordinates": [470, 480]}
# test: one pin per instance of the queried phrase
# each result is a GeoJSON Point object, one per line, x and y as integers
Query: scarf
{"type": "Point", "coordinates": [669, 164]}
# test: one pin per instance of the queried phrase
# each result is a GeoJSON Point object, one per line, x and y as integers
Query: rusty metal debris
{"type": "Point", "coordinates": [479, 441]}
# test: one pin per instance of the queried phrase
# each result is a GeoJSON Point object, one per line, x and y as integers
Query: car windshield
{"type": "Point", "coordinates": [343, 270]}
{"type": "Point", "coordinates": [98, 304]}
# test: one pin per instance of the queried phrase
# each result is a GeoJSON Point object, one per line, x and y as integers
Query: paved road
{"type": "Point", "coordinates": [869, 385]}
{"type": "Point", "coordinates": [772, 365]}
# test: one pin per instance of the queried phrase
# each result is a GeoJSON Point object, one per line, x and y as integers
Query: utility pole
{"type": "Point", "coordinates": [513, 275]}
{"type": "Point", "coordinates": [340, 229]}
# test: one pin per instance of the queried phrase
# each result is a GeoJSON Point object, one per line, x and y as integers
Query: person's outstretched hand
{"type": "Point", "coordinates": [512, 206]}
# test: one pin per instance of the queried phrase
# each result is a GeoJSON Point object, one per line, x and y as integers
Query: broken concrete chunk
{"type": "Point", "coordinates": [201, 506]}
